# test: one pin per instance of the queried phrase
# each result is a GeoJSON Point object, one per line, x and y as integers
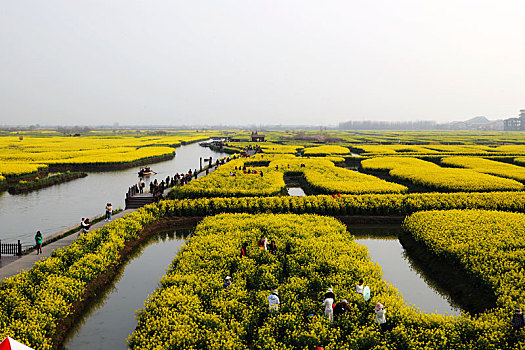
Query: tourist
{"type": "Point", "coordinates": [262, 242]}
{"type": "Point", "coordinates": [329, 294]}
{"type": "Point", "coordinates": [380, 316]}
{"type": "Point", "coordinates": [227, 282]}
{"type": "Point", "coordinates": [151, 187]}
{"type": "Point", "coordinates": [109, 211]}
{"type": "Point", "coordinates": [328, 308]}
{"type": "Point", "coordinates": [141, 185]}
{"type": "Point", "coordinates": [272, 248]}
{"type": "Point", "coordinates": [273, 302]}
{"type": "Point", "coordinates": [341, 308]}
{"type": "Point", "coordinates": [518, 321]}
{"type": "Point", "coordinates": [38, 241]}
{"type": "Point", "coordinates": [359, 288]}
{"type": "Point", "coordinates": [244, 251]}
{"type": "Point", "coordinates": [84, 225]}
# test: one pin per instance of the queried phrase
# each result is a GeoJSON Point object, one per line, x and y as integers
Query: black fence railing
{"type": "Point", "coordinates": [133, 190]}
{"type": "Point", "coordinates": [14, 248]}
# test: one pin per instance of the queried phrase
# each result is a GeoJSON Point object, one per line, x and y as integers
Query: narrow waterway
{"type": "Point", "coordinates": [399, 269]}
{"type": "Point", "coordinates": [111, 319]}
{"type": "Point", "coordinates": [58, 207]}
{"type": "Point", "coordinates": [296, 191]}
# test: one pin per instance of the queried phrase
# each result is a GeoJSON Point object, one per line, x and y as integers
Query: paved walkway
{"type": "Point", "coordinates": [12, 265]}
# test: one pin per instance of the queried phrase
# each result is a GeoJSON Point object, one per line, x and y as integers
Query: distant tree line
{"type": "Point", "coordinates": [66, 130]}
{"type": "Point", "coordinates": [386, 125]}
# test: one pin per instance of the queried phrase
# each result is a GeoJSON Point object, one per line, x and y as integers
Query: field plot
{"type": "Point", "coordinates": [487, 166]}
{"type": "Point", "coordinates": [488, 244]}
{"type": "Point", "coordinates": [266, 147]}
{"type": "Point", "coordinates": [438, 149]}
{"type": "Point", "coordinates": [27, 156]}
{"type": "Point", "coordinates": [231, 180]}
{"type": "Point", "coordinates": [326, 151]}
{"type": "Point", "coordinates": [432, 176]}
{"type": "Point", "coordinates": [324, 176]}
{"type": "Point", "coordinates": [320, 254]}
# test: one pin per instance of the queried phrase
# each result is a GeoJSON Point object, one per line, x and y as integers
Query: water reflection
{"type": "Point", "coordinates": [417, 287]}
{"type": "Point", "coordinates": [296, 191]}
{"type": "Point", "coordinates": [58, 207]}
{"type": "Point", "coordinates": [110, 319]}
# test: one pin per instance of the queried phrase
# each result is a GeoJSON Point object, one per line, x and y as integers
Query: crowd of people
{"type": "Point", "coordinates": [331, 308]}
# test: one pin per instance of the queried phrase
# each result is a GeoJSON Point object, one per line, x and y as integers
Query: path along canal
{"type": "Point", "coordinates": [111, 319]}
{"type": "Point", "coordinates": [58, 207]}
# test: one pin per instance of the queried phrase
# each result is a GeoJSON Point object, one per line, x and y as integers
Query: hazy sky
{"type": "Point", "coordinates": [259, 62]}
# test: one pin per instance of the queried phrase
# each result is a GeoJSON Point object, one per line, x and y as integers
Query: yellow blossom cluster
{"type": "Point", "coordinates": [193, 310]}
{"type": "Point", "coordinates": [431, 175]}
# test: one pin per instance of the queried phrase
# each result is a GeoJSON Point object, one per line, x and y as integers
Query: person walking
{"type": "Point", "coordinates": [272, 248]}
{"type": "Point", "coordinates": [109, 211]}
{"type": "Point", "coordinates": [227, 282]}
{"type": "Point", "coordinates": [329, 294]}
{"type": "Point", "coordinates": [38, 241]}
{"type": "Point", "coordinates": [328, 308]}
{"type": "Point", "coordinates": [518, 321]}
{"type": "Point", "coordinates": [263, 242]}
{"type": "Point", "coordinates": [380, 318]}
{"type": "Point", "coordinates": [141, 185]}
{"type": "Point", "coordinates": [244, 251]}
{"type": "Point", "coordinates": [341, 308]}
{"type": "Point", "coordinates": [84, 225]}
{"type": "Point", "coordinates": [359, 288]}
{"type": "Point", "coordinates": [273, 302]}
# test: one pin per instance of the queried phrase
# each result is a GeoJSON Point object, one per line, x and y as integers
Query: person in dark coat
{"type": "Point", "coordinates": [244, 251]}
{"type": "Point", "coordinates": [518, 321]}
{"type": "Point", "coordinates": [341, 308]}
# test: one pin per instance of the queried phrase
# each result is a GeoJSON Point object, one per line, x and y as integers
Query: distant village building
{"type": "Point", "coordinates": [516, 124]}
{"type": "Point", "coordinates": [257, 137]}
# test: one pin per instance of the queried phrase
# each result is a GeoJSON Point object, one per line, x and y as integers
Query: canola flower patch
{"type": "Point", "coordinates": [192, 310]}
{"type": "Point", "coordinates": [22, 156]}
{"type": "Point", "coordinates": [487, 166]}
{"type": "Point", "coordinates": [430, 175]}
{"type": "Point", "coordinates": [326, 150]}
{"type": "Point", "coordinates": [488, 244]}
{"type": "Point", "coordinates": [365, 204]}
{"type": "Point", "coordinates": [32, 303]}
{"type": "Point", "coordinates": [440, 149]}
{"type": "Point", "coordinates": [266, 147]}
{"type": "Point", "coordinates": [230, 180]}
{"type": "Point", "coordinates": [15, 169]}
{"type": "Point", "coordinates": [324, 176]}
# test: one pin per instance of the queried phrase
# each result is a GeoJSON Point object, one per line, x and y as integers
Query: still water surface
{"type": "Point", "coordinates": [58, 207]}
{"type": "Point", "coordinates": [418, 288]}
{"type": "Point", "coordinates": [111, 319]}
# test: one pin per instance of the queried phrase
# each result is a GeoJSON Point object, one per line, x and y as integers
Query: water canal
{"type": "Point", "coordinates": [418, 287]}
{"type": "Point", "coordinates": [58, 207]}
{"type": "Point", "coordinates": [111, 319]}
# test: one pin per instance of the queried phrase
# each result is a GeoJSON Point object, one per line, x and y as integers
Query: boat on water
{"type": "Point", "coordinates": [145, 171]}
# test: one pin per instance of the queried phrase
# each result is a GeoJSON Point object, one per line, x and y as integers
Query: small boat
{"type": "Point", "coordinates": [145, 171]}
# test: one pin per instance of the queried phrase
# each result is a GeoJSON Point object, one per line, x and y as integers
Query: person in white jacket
{"type": "Point", "coordinates": [328, 308]}
{"type": "Point", "coordinates": [273, 302]}
{"type": "Point", "coordinates": [380, 316]}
